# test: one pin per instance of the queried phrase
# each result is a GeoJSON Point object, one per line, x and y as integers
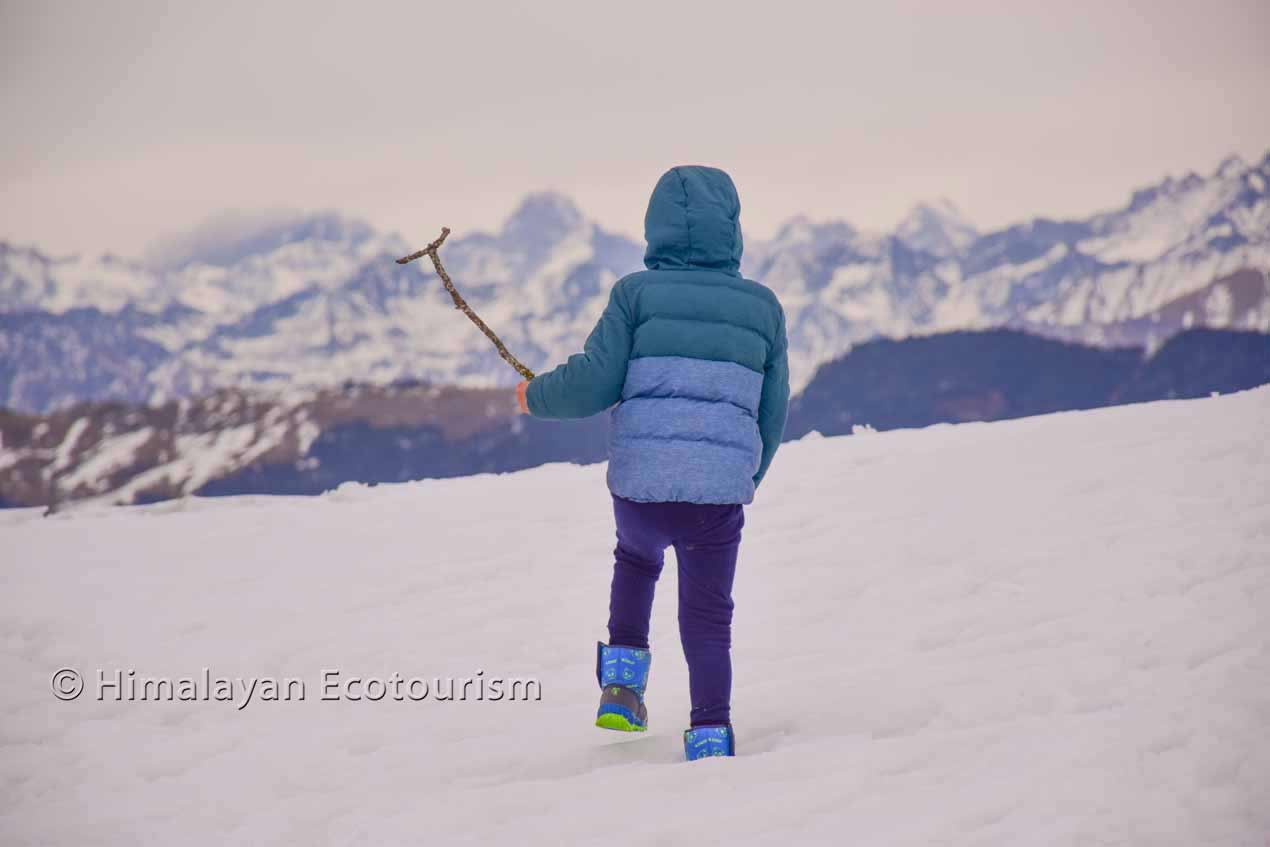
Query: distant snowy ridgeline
{"type": "Point", "coordinates": [316, 300]}
{"type": "Point", "coordinates": [1043, 631]}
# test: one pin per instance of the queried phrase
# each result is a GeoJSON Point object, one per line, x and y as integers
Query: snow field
{"type": "Point", "coordinates": [1046, 631]}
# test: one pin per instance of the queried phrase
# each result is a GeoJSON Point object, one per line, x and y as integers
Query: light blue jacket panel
{"type": "Point", "coordinates": [686, 430]}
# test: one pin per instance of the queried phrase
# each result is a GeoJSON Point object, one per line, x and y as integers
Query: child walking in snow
{"type": "Point", "coordinates": [692, 358]}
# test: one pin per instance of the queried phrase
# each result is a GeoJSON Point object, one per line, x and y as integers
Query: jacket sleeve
{"type": "Point", "coordinates": [774, 402]}
{"type": "Point", "coordinates": [590, 381]}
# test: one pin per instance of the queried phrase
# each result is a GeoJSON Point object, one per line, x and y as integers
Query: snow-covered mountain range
{"type": "Point", "coordinates": [300, 302]}
{"type": "Point", "coordinates": [1187, 252]}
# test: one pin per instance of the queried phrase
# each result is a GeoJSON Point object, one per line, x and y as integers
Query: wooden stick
{"type": "Point", "coordinates": [459, 303]}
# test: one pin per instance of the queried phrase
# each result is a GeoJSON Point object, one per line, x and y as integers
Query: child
{"type": "Point", "coordinates": [693, 356]}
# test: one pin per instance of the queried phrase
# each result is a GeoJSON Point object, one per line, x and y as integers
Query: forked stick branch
{"type": "Point", "coordinates": [459, 303]}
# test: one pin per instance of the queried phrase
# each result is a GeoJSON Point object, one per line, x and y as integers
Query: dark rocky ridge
{"type": "Point", "coordinates": [241, 442]}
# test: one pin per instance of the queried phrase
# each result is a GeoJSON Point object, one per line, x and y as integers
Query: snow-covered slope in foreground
{"type": "Point", "coordinates": [1044, 631]}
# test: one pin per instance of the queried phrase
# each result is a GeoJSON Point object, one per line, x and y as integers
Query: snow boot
{"type": "Point", "coordinates": [623, 674]}
{"type": "Point", "coordinates": [703, 742]}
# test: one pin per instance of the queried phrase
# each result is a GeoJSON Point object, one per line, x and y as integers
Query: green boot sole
{"type": "Point", "coordinates": [619, 723]}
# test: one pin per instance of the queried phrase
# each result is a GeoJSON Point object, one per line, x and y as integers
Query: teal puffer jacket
{"type": "Point", "coordinates": [692, 354]}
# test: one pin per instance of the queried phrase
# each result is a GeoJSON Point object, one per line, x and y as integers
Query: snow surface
{"type": "Point", "coordinates": [1045, 631]}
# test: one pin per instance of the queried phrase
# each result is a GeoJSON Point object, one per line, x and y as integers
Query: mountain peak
{"type": "Point", "coordinates": [937, 227]}
{"type": "Point", "coordinates": [801, 229]}
{"type": "Point", "coordinates": [545, 216]}
{"type": "Point", "coordinates": [1231, 166]}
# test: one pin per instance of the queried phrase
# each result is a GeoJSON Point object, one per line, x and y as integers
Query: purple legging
{"type": "Point", "coordinates": [705, 538]}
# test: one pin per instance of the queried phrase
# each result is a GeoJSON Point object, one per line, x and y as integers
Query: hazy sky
{"type": "Point", "coordinates": [125, 120]}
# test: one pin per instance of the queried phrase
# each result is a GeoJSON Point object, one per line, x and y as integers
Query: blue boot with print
{"type": "Point", "coordinates": [623, 675]}
{"type": "Point", "coordinates": [704, 742]}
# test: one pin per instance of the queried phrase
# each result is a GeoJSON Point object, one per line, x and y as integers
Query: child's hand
{"type": "Point", "coordinates": [520, 397]}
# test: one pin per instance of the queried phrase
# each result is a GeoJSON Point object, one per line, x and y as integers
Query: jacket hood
{"type": "Point", "coordinates": [694, 221]}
